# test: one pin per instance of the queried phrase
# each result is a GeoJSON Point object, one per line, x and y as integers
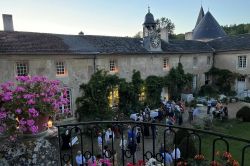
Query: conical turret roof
{"type": "Point", "coordinates": [208, 29]}
{"type": "Point", "coordinates": [200, 17]}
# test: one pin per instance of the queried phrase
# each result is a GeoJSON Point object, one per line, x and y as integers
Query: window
{"type": "Point", "coordinates": [66, 109]}
{"type": "Point", "coordinates": [112, 66]}
{"type": "Point", "coordinates": [165, 63]}
{"type": "Point", "coordinates": [208, 60]}
{"type": "Point", "coordinates": [60, 69]}
{"type": "Point", "coordinates": [22, 68]}
{"type": "Point", "coordinates": [195, 61]}
{"type": "Point", "coordinates": [242, 61]}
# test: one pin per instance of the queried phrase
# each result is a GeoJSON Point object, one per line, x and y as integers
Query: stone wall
{"type": "Point", "coordinates": [80, 67]}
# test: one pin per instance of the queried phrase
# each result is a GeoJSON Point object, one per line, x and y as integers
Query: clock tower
{"type": "Point", "coordinates": [151, 39]}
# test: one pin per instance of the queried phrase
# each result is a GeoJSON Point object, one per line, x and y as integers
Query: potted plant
{"type": "Point", "coordinates": [27, 104]}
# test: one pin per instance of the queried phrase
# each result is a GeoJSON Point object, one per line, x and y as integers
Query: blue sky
{"type": "Point", "coordinates": [116, 17]}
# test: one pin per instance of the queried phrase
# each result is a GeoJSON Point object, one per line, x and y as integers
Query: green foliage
{"type": "Point", "coordinates": [180, 36]}
{"type": "Point", "coordinates": [177, 80]}
{"type": "Point", "coordinates": [94, 99]}
{"type": "Point", "coordinates": [237, 29]}
{"type": "Point", "coordinates": [153, 87]}
{"type": "Point", "coordinates": [165, 23]}
{"type": "Point", "coordinates": [244, 114]}
{"type": "Point", "coordinates": [129, 93]}
{"type": "Point", "coordinates": [208, 90]}
{"type": "Point", "coordinates": [222, 80]}
{"type": "Point", "coordinates": [138, 35]}
{"type": "Point", "coordinates": [180, 135]}
{"type": "Point", "coordinates": [191, 151]}
{"type": "Point", "coordinates": [247, 99]}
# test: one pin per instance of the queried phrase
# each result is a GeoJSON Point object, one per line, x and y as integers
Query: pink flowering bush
{"type": "Point", "coordinates": [23, 103]}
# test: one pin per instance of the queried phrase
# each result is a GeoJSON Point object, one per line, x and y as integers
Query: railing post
{"type": "Point", "coordinates": [59, 141]}
{"type": "Point", "coordinates": [243, 154]}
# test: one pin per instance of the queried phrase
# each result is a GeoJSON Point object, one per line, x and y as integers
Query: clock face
{"type": "Point", "coordinates": [155, 41]}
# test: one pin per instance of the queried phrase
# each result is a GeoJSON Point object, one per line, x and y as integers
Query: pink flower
{"type": "Point", "coordinates": [18, 111]}
{"type": "Point", "coordinates": [27, 96]}
{"type": "Point", "coordinates": [30, 122]}
{"type": "Point", "coordinates": [34, 129]}
{"type": "Point", "coordinates": [22, 122]}
{"type": "Point", "coordinates": [22, 78]}
{"type": "Point", "coordinates": [7, 96]}
{"type": "Point", "coordinates": [20, 89]}
{"type": "Point", "coordinates": [31, 102]}
{"type": "Point", "coordinates": [3, 115]}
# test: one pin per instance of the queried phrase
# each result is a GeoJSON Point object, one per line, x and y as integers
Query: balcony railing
{"type": "Point", "coordinates": [83, 137]}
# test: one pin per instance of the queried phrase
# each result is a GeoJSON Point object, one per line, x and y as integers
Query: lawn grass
{"type": "Point", "coordinates": [233, 128]}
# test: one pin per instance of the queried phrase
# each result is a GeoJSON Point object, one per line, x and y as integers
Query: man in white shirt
{"type": "Point", "coordinates": [108, 136]}
{"type": "Point", "coordinates": [178, 153]}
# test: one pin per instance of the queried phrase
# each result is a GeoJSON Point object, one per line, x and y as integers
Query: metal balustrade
{"type": "Point", "coordinates": [89, 130]}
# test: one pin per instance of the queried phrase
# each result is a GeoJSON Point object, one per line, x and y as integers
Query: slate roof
{"type": "Point", "coordinates": [186, 46]}
{"type": "Point", "coordinates": [231, 43]}
{"type": "Point", "coordinates": [200, 16]}
{"type": "Point", "coordinates": [30, 42]}
{"type": "Point", "coordinates": [43, 43]}
{"type": "Point", "coordinates": [208, 28]}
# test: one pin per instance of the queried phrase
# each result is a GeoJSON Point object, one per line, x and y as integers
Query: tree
{"type": "Point", "coordinates": [165, 23]}
{"type": "Point", "coordinates": [153, 85]}
{"type": "Point", "coordinates": [237, 29]}
{"type": "Point", "coordinates": [177, 80]}
{"type": "Point", "coordinates": [138, 35]}
{"type": "Point", "coordinates": [129, 93]}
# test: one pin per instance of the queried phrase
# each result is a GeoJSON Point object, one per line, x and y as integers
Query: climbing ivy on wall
{"type": "Point", "coordinates": [223, 80]}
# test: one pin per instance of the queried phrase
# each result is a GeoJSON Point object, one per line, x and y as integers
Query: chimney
{"type": "Point", "coordinates": [188, 35]}
{"type": "Point", "coordinates": [7, 22]}
{"type": "Point", "coordinates": [164, 34]}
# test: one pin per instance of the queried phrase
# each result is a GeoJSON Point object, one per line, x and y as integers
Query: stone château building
{"type": "Point", "coordinates": [74, 58]}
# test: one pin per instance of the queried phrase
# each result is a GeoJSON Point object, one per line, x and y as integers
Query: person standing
{"type": "Point", "coordinates": [123, 146]}
{"type": "Point", "coordinates": [108, 136]}
{"type": "Point", "coordinates": [80, 159]}
{"type": "Point", "coordinates": [176, 154]}
{"type": "Point", "coordinates": [138, 138]}
{"type": "Point", "coordinates": [99, 141]}
{"type": "Point", "coordinates": [209, 105]}
{"type": "Point", "coordinates": [167, 158]}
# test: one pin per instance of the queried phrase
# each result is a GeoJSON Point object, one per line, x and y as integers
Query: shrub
{"type": "Point", "coordinates": [180, 135]}
{"type": "Point", "coordinates": [244, 114]}
{"type": "Point", "coordinates": [191, 151]}
{"type": "Point", "coordinates": [247, 99]}
{"type": "Point", "coordinates": [207, 90]}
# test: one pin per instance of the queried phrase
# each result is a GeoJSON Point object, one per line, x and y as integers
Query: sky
{"type": "Point", "coordinates": [116, 17]}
